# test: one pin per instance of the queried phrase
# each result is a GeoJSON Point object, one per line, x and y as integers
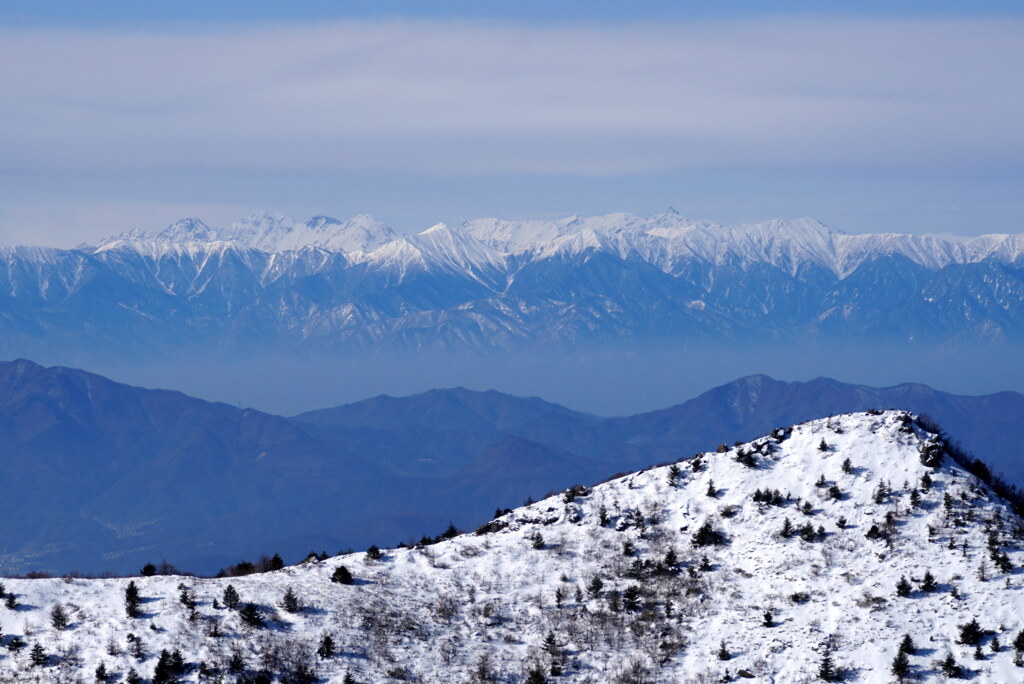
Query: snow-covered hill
{"type": "Point", "coordinates": [666, 575]}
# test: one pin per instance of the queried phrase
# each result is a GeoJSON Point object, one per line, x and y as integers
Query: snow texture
{"type": "Point", "coordinates": [456, 609]}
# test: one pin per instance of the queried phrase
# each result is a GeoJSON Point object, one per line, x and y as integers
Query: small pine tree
{"type": "Point", "coordinates": [341, 575]}
{"type": "Point", "coordinates": [1018, 642]}
{"type": "Point", "coordinates": [101, 674]}
{"type": "Point", "coordinates": [595, 587]}
{"type": "Point", "coordinates": [631, 597]}
{"type": "Point", "coordinates": [907, 645]}
{"type": "Point", "coordinates": [536, 676]}
{"type": "Point", "coordinates": [251, 615]}
{"type": "Point", "coordinates": [537, 540]}
{"type": "Point", "coordinates": [132, 600]}
{"type": "Point", "coordinates": [38, 656]}
{"type": "Point", "coordinates": [712, 492]}
{"type": "Point", "coordinates": [673, 474]}
{"type": "Point", "coordinates": [290, 601]}
{"type": "Point", "coordinates": [163, 673]}
{"type": "Point", "coordinates": [148, 570]}
{"type": "Point", "coordinates": [11, 601]}
{"type": "Point", "coordinates": [787, 529]}
{"type": "Point", "coordinates": [374, 553]}
{"type": "Point", "coordinates": [970, 633]}
{"type": "Point", "coordinates": [994, 645]}
{"type": "Point", "coordinates": [59, 618]}
{"type": "Point", "coordinates": [671, 559]}
{"type": "Point", "coordinates": [769, 619]}
{"type": "Point", "coordinates": [978, 655]}
{"type": "Point", "coordinates": [276, 562]}
{"type": "Point", "coordinates": [847, 466]}
{"type": "Point", "coordinates": [823, 446]}
{"type": "Point", "coordinates": [132, 677]}
{"type": "Point", "coordinates": [827, 670]}
{"type": "Point", "coordinates": [326, 649]}
{"type": "Point", "coordinates": [230, 597]}
{"type": "Point", "coordinates": [723, 652]}
{"type": "Point", "coordinates": [903, 587]}
{"type": "Point", "coordinates": [928, 583]}
{"type": "Point", "coordinates": [900, 666]}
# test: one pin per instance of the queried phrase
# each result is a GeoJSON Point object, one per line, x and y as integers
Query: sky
{"type": "Point", "coordinates": [874, 116]}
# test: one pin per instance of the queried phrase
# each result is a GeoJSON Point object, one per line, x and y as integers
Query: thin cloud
{"type": "Point", "coordinates": [479, 98]}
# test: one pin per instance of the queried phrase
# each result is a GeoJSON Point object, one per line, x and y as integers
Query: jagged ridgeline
{"type": "Point", "coordinates": [270, 283]}
{"type": "Point", "coordinates": [858, 547]}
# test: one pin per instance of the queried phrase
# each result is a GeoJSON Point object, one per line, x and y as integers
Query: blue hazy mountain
{"type": "Point", "coordinates": [325, 286]}
{"type": "Point", "coordinates": [97, 475]}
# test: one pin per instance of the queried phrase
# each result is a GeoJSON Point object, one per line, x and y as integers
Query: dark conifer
{"type": "Point", "coordinates": [326, 649]}
{"type": "Point", "coordinates": [341, 575]}
{"type": "Point", "coordinates": [723, 651]}
{"type": "Point", "coordinates": [38, 656]}
{"type": "Point", "coordinates": [901, 666]}
{"type": "Point", "coordinates": [230, 597]}
{"type": "Point", "coordinates": [903, 587]}
{"type": "Point", "coordinates": [928, 583]}
{"type": "Point", "coordinates": [907, 645]}
{"type": "Point", "coordinates": [132, 600]}
{"type": "Point", "coordinates": [970, 633]}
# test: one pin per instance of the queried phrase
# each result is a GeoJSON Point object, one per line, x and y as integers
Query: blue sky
{"type": "Point", "coordinates": [872, 117]}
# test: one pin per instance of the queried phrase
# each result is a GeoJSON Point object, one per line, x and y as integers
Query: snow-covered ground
{"type": "Point", "coordinates": [520, 595]}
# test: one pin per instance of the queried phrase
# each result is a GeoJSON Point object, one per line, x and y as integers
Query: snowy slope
{"type": "Point", "coordinates": [486, 602]}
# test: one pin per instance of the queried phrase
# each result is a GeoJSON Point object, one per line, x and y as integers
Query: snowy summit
{"type": "Point", "coordinates": [857, 548]}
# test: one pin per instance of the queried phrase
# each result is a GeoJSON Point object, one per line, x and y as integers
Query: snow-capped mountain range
{"type": "Point", "coordinates": [269, 281]}
{"type": "Point", "coordinates": [810, 554]}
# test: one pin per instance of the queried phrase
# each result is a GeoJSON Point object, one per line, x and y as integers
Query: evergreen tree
{"type": "Point", "coordinates": [290, 601]}
{"type": "Point", "coordinates": [537, 540]}
{"type": "Point", "coordinates": [326, 649]}
{"type": "Point", "coordinates": [673, 474]}
{"type": "Point", "coordinates": [595, 587]}
{"type": "Point", "coordinates": [59, 618]}
{"type": "Point", "coordinates": [341, 575]}
{"type": "Point", "coordinates": [671, 559]}
{"type": "Point", "coordinates": [994, 645]}
{"type": "Point", "coordinates": [536, 676]}
{"type": "Point", "coordinates": [847, 466]}
{"type": "Point", "coordinates": [132, 600]}
{"type": "Point", "coordinates": [907, 645]}
{"type": "Point", "coordinates": [970, 634]}
{"type": "Point", "coordinates": [631, 597]}
{"type": "Point", "coordinates": [374, 553]}
{"type": "Point", "coordinates": [950, 668]}
{"type": "Point", "coordinates": [251, 615]}
{"type": "Point", "coordinates": [901, 665]}
{"type": "Point", "coordinates": [276, 562]}
{"type": "Point", "coordinates": [787, 529]}
{"type": "Point", "coordinates": [11, 601]}
{"type": "Point", "coordinates": [928, 583]}
{"type": "Point", "coordinates": [723, 652]}
{"type": "Point", "coordinates": [349, 679]}
{"type": "Point", "coordinates": [132, 677]}
{"type": "Point", "coordinates": [827, 670]}
{"type": "Point", "coordinates": [769, 619]}
{"type": "Point", "coordinates": [38, 656]}
{"type": "Point", "coordinates": [1018, 642]}
{"type": "Point", "coordinates": [163, 673]}
{"type": "Point", "coordinates": [712, 492]}
{"type": "Point", "coordinates": [101, 674]}
{"type": "Point", "coordinates": [148, 570]}
{"type": "Point", "coordinates": [230, 597]}
{"type": "Point", "coordinates": [903, 587]}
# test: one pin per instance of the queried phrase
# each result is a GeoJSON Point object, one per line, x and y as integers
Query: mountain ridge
{"type": "Point", "coordinates": [805, 554]}
{"type": "Point", "coordinates": [141, 472]}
